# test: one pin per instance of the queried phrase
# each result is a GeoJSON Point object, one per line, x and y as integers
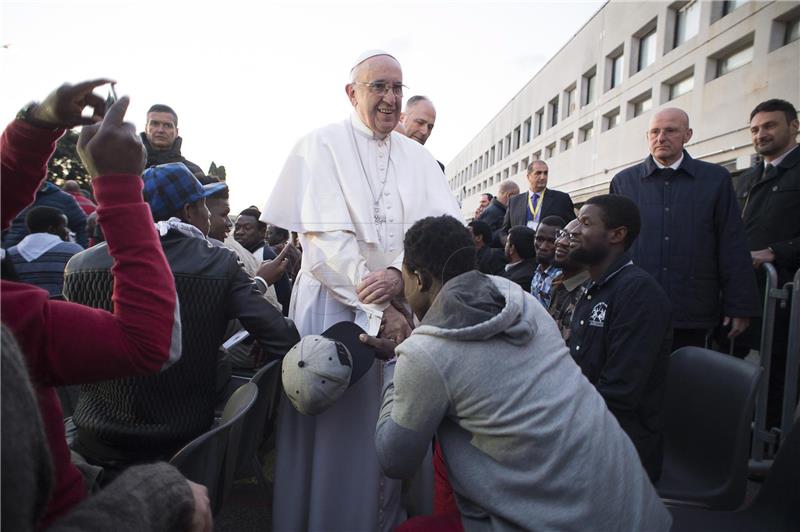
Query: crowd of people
{"type": "Point", "coordinates": [520, 359]}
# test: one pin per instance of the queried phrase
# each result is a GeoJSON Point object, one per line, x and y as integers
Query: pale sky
{"type": "Point", "coordinates": [248, 79]}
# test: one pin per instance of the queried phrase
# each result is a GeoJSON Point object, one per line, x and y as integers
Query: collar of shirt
{"type": "Point", "coordinates": [684, 164]}
{"type": "Point", "coordinates": [617, 266]}
{"type": "Point", "coordinates": [531, 193]}
{"type": "Point", "coordinates": [576, 280]}
{"type": "Point", "coordinates": [35, 245]}
{"type": "Point", "coordinates": [778, 160]}
{"type": "Point", "coordinates": [509, 266]}
{"type": "Point", "coordinates": [362, 128]}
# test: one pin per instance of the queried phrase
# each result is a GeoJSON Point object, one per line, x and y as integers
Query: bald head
{"type": "Point", "coordinates": [71, 186]}
{"type": "Point", "coordinates": [418, 118]}
{"type": "Point", "coordinates": [376, 93]}
{"type": "Point", "coordinates": [669, 131]}
{"type": "Point", "coordinates": [507, 189]}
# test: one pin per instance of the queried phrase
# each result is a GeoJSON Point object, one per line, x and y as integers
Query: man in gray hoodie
{"type": "Point", "coordinates": [528, 442]}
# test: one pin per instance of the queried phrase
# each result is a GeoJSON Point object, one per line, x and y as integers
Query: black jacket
{"type": "Point", "coordinates": [692, 240]}
{"type": "Point", "coordinates": [493, 215]}
{"type": "Point", "coordinates": [621, 338]}
{"type": "Point", "coordinates": [771, 212]}
{"type": "Point", "coordinates": [172, 155]}
{"type": "Point", "coordinates": [491, 261]}
{"type": "Point", "coordinates": [555, 203]}
{"type": "Point", "coordinates": [521, 273]}
{"type": "Point", "coordinates": [49, 195]}
{"type": "Point", "coordinates": [145, 418]}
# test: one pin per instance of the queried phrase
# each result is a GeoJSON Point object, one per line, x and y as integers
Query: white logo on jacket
{"type": "Point", "coordinates": [598, 316]}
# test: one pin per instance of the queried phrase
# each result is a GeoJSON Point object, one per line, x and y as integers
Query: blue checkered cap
{"type": "Point", "coordinates": [168, 187]}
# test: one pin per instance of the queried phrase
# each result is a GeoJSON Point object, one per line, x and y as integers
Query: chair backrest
{"type": "Point", "coordinates": [708, 409]}
{"type": "Point", "coordinates": [260, 416]}
{"type": "Point", "coordinates": [210, 459]}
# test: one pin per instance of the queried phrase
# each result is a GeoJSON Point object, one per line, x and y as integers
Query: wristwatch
{"type": "Point", "coordinates": [25, 114]}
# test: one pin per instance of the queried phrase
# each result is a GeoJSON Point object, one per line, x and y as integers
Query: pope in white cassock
{"type": "Point", "coordinates": [350, 190]}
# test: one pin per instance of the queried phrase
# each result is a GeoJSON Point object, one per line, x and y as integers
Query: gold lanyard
{"type": "Point", "coordinates": [534, 211]}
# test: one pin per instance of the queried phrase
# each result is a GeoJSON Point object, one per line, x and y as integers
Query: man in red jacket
{"type": "Point", "coordinates": [65, 343]}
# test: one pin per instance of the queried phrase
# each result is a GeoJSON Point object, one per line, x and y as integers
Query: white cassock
{"type": "Point", "coordinates": [349, 224]}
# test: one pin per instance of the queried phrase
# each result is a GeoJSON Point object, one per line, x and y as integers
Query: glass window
{"type": "Point", "coordinates": [508, 144]}
{"type": "Point", "coordinates": [586, 132]}
{"type": "Point", "coordinates": [687, 23]}
{"type": "Point", "coordinates": [617, 63]}
{"type": "Point", "coordinates": [526, 131]}
{"type": "Point", "coordinates": [729, 5]}
{"type": "Point", "coordinates": [491, 157]}
{"type": "Point", "coordinates": [642, 106]}
{"type": "Point", "coordinates": [647, 50]}
{"type": "Point", "coordinates": [553, 110]}
{"type": "Point", "coordinates": [517, 137]}
{"type": "Point", "coordinates": [589, 81]}
{"type": "Point", "coordinates": [681, 87]}
{"type": "Point", "coordinates": [500, 151]}
{"type": "Point", "coordinates": [569, 101]}
{"type": "Point", "coordinates": [549, 150]}
{"type": "Point", "coordinates": [792, 31]}
{"type": "Point", "coordinates": [734, 61]}
{"type": "Point", "coordinates": [566, 142]}
{"type": "Point", "coordinates": [539, 123]}
{"type": "Point", "coordinates": [611, 119]}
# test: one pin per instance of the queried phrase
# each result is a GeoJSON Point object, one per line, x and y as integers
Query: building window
{"type": "Point", "coordinates": [792, 31]}
{"type": "Point", "coordinates": [500, 151]}
{"type": "Point", "coordinates": [514, 169]}
{"type": "Point", "coordinates": [538, 122]}
{"type": "Point", "coordinates": [505, 174]}
{"type": "Point", "coordinates": [733, 60]}
{"type": "Point", "coordinates": [728, 6]}
{"type": "Point", "coordinates": [611, 119]}
{"type": "Point", "coordinates": [680, 85]}
{"type": "Point", "coordinates": [569, 101]}
{"type": "Point", "coordinates": [647, 50]}
{"type": "Point", "coordinates": [491, 157]}
{"type": "Point", "coordinates": [588, 82]}
{"type": "Point", "coordinates": [508, 144]}
{"type": "Point", "coordinates": [687, 23]}
{"type": "Point", "coordinates": [497, 177]}
{"type": "Point", "coordinates": [586, 132]}
{"type": "Point", "coordinates": [552, 110]}
{"type": "Point", "coordinates": [640, 104]}
{"type": "Point", "coordinates": [526, 131]}
{"type": "Point", "coordinates": [566, 142]}
{"type": "Point", "coordinates": [517, 137]}
{"type": "Point", "coordinates": [537, 156]}
{"type": "Point", "coordinates": [524, 164]}
{"type": "Point", "coordinates": [549, 150]}
{"type": "Point", "coordinates": [480, 163]}
{"type": "Point", "coordinates": [615, 62]}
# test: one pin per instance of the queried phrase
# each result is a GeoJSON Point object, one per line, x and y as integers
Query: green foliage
{"type": "Point", "coordinates": [217, 171]}
{"type": "Point", "coordinates": [65, 163]}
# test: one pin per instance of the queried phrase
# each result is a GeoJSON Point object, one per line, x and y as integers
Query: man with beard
{"type": "Point", "coordinates": [490, 260]}
{"type": "Point", "coordinates": [521, 255]}
{"type": "Point", "coordinates": [546, 271]}
{"type": "Point", "coordinates": [350, 190]}
{"type": "Point", "coordinates": [621, 328]}
{"type": "Point", "coordinates": [161, 139]}
{"type": "Point", "coordinates": [770, 198]}
{"type": "Point", "coordinates": [568, 285]}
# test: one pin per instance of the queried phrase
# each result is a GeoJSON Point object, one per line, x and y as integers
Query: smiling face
{"type": "Point", "coordinates": [418, 120]}
{"type": "Point", "coordinates": [379, 111]}
{"type": "Point", "coordinates": [772, 133]}
{"type": "Point", "coordinates": [220, 223]}
{"type": "Point", "coordinates": [567, 243]}
{"type": "Point", "coordinates": [161, 130]}
{"type": "Point", "coordinates": [669, 131]}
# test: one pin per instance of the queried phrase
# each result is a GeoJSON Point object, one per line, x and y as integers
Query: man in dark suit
{"type": "Point", "coordinates": [495, 213]}
{"type": "Point", "coordinates": [521, 255]}
{"type": "Point", "coordinates": [490, 260]}
{"type": "Point", "coordinates": [537, 203]}
{"type": "Point", "coordinates": [769, 195]}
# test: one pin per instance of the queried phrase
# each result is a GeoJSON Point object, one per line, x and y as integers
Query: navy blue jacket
{"type": "Point", "coordinates": [50, 196]}
{"type": "Point", "coordinates": [692, 240]}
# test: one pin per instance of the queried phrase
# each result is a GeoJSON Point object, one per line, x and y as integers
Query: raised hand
{"type": "Point", "coordinates": [380, 287]}
{"type": "Point", "coordinates": [112, 146]}
{"type": "Point", "coordinates": [271, 271]}
{"type": "Point", "coordinates": [64, 106]}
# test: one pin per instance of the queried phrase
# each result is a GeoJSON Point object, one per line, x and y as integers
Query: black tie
{"type": "Point", "coordinates": [769, 172]}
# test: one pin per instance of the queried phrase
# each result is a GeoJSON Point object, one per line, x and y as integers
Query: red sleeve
{"type": "Point", "coordinates": [24, 152]}
{"type": "Point", "coordinates": [67, 343]}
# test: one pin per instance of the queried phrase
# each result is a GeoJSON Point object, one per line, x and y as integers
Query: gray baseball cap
{"type": "Point", "coordinates": [318, 370]}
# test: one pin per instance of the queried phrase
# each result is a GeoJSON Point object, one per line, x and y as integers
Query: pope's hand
{"type": "Point", "coordinates": [395, 325]}
{"type": "Point", "coordinates": [380, 287]}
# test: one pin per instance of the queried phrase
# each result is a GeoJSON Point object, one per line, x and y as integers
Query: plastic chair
{"type": "Point", "coordinates": [210, 459]}
{"type": "Point", "coordinates": [776, 507]}
{"type": "Point", "coordinates": [708, 409]}
{"type": "Point", "coordinates": [258, 421]}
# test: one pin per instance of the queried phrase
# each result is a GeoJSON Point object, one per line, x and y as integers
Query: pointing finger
{"type": "Point", "coordinates": [88, 86]}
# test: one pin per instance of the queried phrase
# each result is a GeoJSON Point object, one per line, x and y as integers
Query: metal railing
{"type": "Point", "coordinates": [767, 438]}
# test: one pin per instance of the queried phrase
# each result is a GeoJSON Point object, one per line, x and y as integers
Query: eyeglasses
{"type": "Point", "coordinates": [382, 87]}
{"type": "Point", "coordinates": [668, 131]}
{"type": "Point", "coordinates": [566, 235]}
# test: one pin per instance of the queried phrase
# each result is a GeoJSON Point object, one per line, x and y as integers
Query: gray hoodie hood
{"type": "Point", "coordinates": [474, 307]}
